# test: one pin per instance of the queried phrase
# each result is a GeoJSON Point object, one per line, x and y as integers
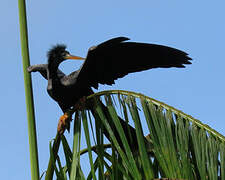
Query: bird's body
{"type": "Point", "coordinates": [68, 98]}
{"type": "Point", "coordinates": [104, 64]}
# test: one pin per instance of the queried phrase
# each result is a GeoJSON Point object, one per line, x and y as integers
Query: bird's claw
{"type": "Point", "coordinates": [64, 120]}
{"type": "Point", "coordinates": [63, 123]}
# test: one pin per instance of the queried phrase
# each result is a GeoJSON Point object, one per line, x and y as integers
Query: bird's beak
{"type": "Point", "coordinates": [69, 56]}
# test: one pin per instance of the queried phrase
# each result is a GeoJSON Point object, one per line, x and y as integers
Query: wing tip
{"type": "Point", "coordinates": [124, 38]}
{"type": "Point", "coordinates": [113, 41]}
{"type": "Point", "coordinates": [181, 61]}
{"type": "Point", "coordinates": [30, 69]}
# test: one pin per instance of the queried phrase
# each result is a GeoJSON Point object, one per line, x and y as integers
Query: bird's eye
{"type": "Point", "coordinates": [64, 53]}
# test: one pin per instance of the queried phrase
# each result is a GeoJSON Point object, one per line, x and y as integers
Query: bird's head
{"type": "Point", "coordinates": [58, 54]}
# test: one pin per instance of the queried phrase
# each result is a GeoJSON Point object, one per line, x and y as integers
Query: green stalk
{"type": "Point", "coordinates": [55, 149]}
{"type": "Point", "coordinates": [28, 92]}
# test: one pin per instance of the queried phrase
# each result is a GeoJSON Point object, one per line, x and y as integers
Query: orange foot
{"type": "Point", "coordinates": [63, 123]}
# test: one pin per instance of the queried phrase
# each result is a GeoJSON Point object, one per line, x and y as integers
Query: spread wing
{"type": "Point", "coordinates": [115, 58]}
{"type": "Point", "coordinates": [43, 69]}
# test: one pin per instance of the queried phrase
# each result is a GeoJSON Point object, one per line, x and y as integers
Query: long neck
{"type": "Point", "coordinates": [53, 67]}
{"type": "Point", "coordinates": [53, 79]}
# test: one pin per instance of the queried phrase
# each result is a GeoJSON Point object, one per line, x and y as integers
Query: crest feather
{"type": "Point", "coordinates": [55, 50]}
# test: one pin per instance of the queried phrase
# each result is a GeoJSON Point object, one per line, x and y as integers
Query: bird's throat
{"type": "Point", "coordinates": [52, 68]}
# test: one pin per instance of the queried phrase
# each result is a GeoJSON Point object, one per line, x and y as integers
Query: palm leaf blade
{"type": "Point", "coordinates": [176, 145]}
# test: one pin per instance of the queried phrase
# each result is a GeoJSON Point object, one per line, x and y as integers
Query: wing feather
{"type": "Point", "coordinates": [116, 58]}
{"type": "Point", "coordinates": [43, 70]}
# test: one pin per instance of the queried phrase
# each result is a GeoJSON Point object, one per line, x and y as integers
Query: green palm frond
{"type": "Point", "coordinates": [171, 144]}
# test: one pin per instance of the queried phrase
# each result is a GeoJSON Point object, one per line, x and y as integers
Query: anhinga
{"type": "Point", "coordinates": [104, 64]}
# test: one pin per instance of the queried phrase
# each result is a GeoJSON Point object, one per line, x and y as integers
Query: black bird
{"type": "Point", "coordinates": [104, 64]}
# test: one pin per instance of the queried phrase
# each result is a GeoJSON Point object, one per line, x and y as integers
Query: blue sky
{"type": "Point", "coordinates": [196, 27]}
